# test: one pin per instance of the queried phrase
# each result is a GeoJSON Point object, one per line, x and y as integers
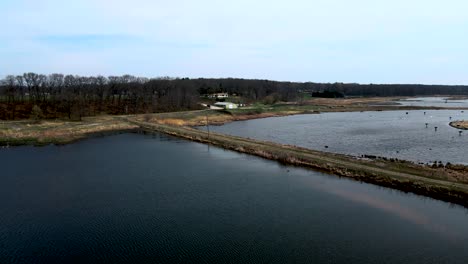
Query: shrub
{"type": "Point", "coordinates": [36, 113]}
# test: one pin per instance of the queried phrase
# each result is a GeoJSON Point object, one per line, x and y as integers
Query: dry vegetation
{"type": "Point", "coordinates": [213, 117]}
{"type": "Point", "coordinates": [311, 106]}
{"type": "Point", "coordinates": [58, 132]}
{"type": "Point", "coordinates": [45, 132]}
{"type": "Point", "coordinates": [445, 182]}
{"type": "Point", "coordinates": [358, 101]}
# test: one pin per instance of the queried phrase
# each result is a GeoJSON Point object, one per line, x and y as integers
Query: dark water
{"type": "Point", "coordinates": [393, 134]}
{"type": "Point", "coordinates": [134, 198]}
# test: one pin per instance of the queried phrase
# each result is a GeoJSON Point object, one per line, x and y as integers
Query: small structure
{"type": "Point", "coordinates": [218, 95]}
{"type": "Point", "coordinates": [226, 105]}
{"type": "Point", "coordinates": [213, 107]}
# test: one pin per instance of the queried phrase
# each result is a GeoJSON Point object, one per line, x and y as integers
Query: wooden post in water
{"type": "Point", "coordinates": [435, 128]}
{"type": "Point", "coordinates": [427, 124]}
{"type": "Point", "coordinates": [207, 126]}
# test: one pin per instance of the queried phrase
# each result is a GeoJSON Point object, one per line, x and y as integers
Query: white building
{"type": "Point", "coordinates": [218, 95]}
{"type": "Point", "coordinates": [226, 105]}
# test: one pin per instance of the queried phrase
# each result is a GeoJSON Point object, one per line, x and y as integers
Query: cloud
{"type": "Point", "coordinates": [86, 41]}
{"type": "Point", "coordinates": [298, 40]}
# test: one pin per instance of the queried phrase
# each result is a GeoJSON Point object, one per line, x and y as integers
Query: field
{"type": "Point", "coordinates": [58, 131]}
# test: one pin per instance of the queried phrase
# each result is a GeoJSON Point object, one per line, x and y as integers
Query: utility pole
{"type": "Point", "coordinates": [207, 126]}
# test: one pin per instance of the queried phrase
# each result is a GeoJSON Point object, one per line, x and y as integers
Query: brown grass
{"type": "Point", "coordinates": [351, 101]}
{"type": "Point", "coordinates": [213, 117]}
{"type": "Point", "coordinates": [44, 132]}
{"type": "Point", "coordinates": [449, 183]}
{"type": "Point", "coordinates": [314, 105]}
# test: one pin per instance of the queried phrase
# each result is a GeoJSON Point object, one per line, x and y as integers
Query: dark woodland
{"type": "Point", "coordinates": [72, 97]}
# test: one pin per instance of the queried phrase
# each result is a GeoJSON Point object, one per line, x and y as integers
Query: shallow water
{"type": "Point", "coordinates": [139, 198]}
{"type": "Point", "coordinates": [434, 102]}
{"type": "Point", "coordinates": [394, 134]}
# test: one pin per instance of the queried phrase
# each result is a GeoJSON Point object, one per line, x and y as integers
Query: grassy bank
{"type": "Point", "coordinates": [312, 106]}
{"type": "Point", "coordinates": [59, 132]}
{"type": "Point", "coordinates": [43, 132]}
{"type": "Point", "coordinates": [448, 183]}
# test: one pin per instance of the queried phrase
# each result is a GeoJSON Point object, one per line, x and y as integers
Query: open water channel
{"type": "Point", "coordinates": [138, 198]}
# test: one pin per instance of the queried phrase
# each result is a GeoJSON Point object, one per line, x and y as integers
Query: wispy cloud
{"type": "Point", "coordinates": [87, 41]}
{"type": "Point", "coordinates": [299, 40]}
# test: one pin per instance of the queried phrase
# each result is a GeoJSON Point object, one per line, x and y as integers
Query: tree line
{"type": "Point", "coordinates": [72, 96]}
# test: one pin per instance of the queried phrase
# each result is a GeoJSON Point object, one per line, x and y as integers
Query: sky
{"type": "Point", "coordinates": [362, 41]}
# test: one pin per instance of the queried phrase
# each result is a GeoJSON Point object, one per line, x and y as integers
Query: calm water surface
{"type": "Point", "coordinates": [394, 134]}
{"type": "Point", "coordinates": [135, 198]}
{"type": "Point", "coordinates": [434, 102]}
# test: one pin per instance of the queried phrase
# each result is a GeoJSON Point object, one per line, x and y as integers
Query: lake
{"type": "Point", "coordinates": [434, 102]}
{"type": "Point", "coordinates": [138, 198]}
{"type": "Point", "coordinates": [393, 134]}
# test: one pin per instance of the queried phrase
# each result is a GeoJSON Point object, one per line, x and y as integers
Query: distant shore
{"type": "Point", "coordinates": [44, 132]}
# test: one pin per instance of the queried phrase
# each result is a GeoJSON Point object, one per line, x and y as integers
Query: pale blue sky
{"type": "Point", "coordinates": [365, 41]}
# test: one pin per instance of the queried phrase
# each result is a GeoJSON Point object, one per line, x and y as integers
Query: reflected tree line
{"type": "Point", "coordinates": [71, 96]}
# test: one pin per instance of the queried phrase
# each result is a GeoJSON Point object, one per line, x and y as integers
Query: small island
{"type": "Point", "coordinates": [460, 124]}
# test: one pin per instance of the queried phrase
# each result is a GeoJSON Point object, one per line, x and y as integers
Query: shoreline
{"type": "Point", "coordinates": [60, 132]}
{"type": "Point", "coordinates": [62, 141]}
{"type": "Point", "coordinates": [449, 183]}
{"type": "Point", "coordinates": [57, 132]}
{"type": "Point", "coordinates": [178, 118]}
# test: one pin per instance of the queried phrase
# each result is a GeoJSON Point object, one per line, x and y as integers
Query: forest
{"type": "Point", "coordinates": [33, 95]}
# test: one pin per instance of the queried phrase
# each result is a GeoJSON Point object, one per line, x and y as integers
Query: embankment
{"type": "Point", "coordinates": [39, 133]}
{"type": "Point", "coordinates": [448, 183]}
{"type": "Point", "coordinates": [43, 132]}
{"type": "Point", "coordinates": [220, 117]}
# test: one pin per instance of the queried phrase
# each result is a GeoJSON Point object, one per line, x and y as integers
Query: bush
{"type": "Point", "coordinates": [36, 113]}
{"type": "Point", "coordinates": [271, 99]}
